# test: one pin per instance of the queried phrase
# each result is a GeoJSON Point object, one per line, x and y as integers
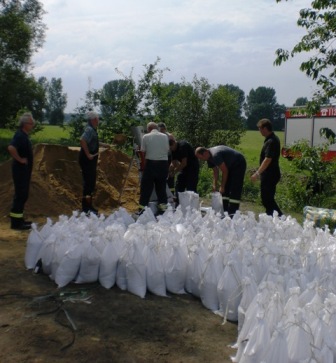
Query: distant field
{"type": "Point", "coordinates": [251, 145]}
{"type": "Point", "coordinates": [51, 133]}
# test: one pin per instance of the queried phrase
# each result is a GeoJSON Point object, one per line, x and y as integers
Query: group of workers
{"type": "Point", "coordinates": [167, 162]}
{"type": "Point", "coordinates": [166, 157]}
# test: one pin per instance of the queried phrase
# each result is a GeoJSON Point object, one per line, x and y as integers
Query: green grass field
{"type": "Point", "coordinates": [51, 133]}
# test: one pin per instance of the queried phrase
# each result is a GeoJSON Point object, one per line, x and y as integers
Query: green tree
{"type": "Point", "coordinates": [206, 115]}
{"type": "Point", "coordinates": [262, 103]}
{"type": "Point", "coordinates": [21, 35]}
{"type": "Point", "coordinates": [110, 95]}
{"type": "Point", "coordinates": [319, 20]}
{"type": "Point", "coordinates": [56, 102]}
{"type": "Point", "coordinates": [301, 101]}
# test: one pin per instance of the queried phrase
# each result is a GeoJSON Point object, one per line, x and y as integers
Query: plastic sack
{"type": "Point", "coordinates": [34, 244]}
{"type": "Point", "coordinates": [217, 202]}
{"type": "Point", "coordinates": [188, 201]}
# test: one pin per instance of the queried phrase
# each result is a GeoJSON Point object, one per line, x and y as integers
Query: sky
{"type": "Point", "coordinates": [224, 41]}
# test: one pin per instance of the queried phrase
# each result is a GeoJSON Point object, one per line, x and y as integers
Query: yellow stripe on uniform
{"type": "Point", "coordinates": [16, 215]}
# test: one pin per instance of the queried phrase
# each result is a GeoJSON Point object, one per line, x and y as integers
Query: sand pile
{"type": "Point", "coordinates": [56, 186]}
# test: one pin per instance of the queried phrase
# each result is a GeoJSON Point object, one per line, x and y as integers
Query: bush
{"type": "Point", "coordinates": [204, 186]}
{"type": "Point", "coordinates": [311, 181]}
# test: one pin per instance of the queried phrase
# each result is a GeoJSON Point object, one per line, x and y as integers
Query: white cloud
{"type": "Point", "coordinates": [222, 40]}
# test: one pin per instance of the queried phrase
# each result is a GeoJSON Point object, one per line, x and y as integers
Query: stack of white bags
{"type": "Point", "coordinates": [272, 275]}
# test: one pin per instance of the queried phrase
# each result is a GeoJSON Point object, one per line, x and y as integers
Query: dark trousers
{"type": "Point", "coordinates": [234, 187]}
{"type": "Point", "coordinates": [267, 189]}
{"type": "Point", "coordinates": [21, 178]}
{"type": "Point", "coordinates": [187, 180]}
{"type": "Point", "coordinates": [89, 174]}
{"type": "Point", "coordinates": [154, 175]}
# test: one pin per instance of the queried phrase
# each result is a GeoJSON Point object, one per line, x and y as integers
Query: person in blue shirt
{"type": "Point", "coordinates": [88, 159]}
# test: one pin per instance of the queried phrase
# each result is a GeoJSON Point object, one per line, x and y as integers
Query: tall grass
{"type": "Point", "coordinates": [52, 134]}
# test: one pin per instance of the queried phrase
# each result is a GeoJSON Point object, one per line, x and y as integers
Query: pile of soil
{"type": "Point", "coordinates": [56, 185]}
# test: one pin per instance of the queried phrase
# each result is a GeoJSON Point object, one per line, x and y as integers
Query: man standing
{"type": "Point", "coordinates": [171, 179]}
{"type": "Point", "coordinates": [185, 164]}
{"type": "Point", "coordinates": [88, 159]}
{"type": "Point", "coordinates": [20, 148]}
{"type": "Point", "coordinates": [269, 170]}
{"type": "Point", "coordinates": [155, 146]}
{"type": "Point", "coordinates": [232, 165]}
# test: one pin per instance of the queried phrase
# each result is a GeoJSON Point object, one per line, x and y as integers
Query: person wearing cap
{"type": "Point", "coordinates": [232, 165]}
{"type": "Point", "coordinates": [269, 170]}
{"type": "Point", "coordinates": [155, 146]}
{"type": "Point", "coordinates": [88, 159]}
{"type": "Point", "coordinates": [21, 151]}
{"type": "Point", "coordinates": [185, 165]}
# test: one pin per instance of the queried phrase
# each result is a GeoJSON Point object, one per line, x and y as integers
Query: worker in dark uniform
{"type": "Point", "coordinates": [155, 146]}
{"type": "Point", "coordinates": [20, 149]}
{"type": "Point", "coordinates": [88, 159]}
{"type": "Point", "coordinates": [185, 165]}
{"type": "Point", "coordinates": [269, 170]}
{"type": "Point", "coordinates": [232, 165]}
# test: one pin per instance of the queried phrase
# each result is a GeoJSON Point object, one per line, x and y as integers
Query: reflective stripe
{"type": "Point", "coordinates": [141, 206]}
{"type": "Point", "coordinates": [225, 198]}
{"type": "Point", "coordinates": [236, 201]}
{"type": "Point", "coordinates": [16, 215]}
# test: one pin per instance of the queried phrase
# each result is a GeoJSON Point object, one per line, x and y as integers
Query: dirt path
{"type": "Point", "coordinates": [115, 327]}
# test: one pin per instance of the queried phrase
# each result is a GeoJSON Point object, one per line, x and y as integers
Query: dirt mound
{"type": "Point", "coordinates": [56, 186]}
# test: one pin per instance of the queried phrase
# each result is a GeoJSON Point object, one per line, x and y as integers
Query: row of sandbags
{"type": "Point", "coordinates": [272, 275]}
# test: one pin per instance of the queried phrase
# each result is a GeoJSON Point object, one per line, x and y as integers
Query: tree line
{"type": "Point", "coordinates": [203, 113]}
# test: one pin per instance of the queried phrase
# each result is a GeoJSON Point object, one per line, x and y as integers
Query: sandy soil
{"type": "Point", "coordinates": [87, 323]}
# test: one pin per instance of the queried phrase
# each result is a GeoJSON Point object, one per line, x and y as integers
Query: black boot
{"type": "Point", "coordinates": [87, 206]}
{"type": "Point", "coordinates": [19, 224]}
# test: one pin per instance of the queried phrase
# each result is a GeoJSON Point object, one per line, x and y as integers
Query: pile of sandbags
{"type": "Point", "coordinates": [272, 275]}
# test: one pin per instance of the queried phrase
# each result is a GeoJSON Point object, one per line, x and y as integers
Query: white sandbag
{"type": "Point", "coordinates": [209, 282]}
{"type": "Point", "coordinates": [136, 272]}
{"type": "Point", "coordinates": [217, 202]}
{"type": "Point", "coordinates": [176, 270]}
{"type": "Point", "coordinates": [195, 267]}
{"type": "Point", "coordinates": [249, 291]}
{"type": "Point", "coordinates": [61, 245]}
{"type": "Point", "coordinates": [259, 338]}
{"type": "Point", "coordinates": [69, 266]}
{"type": "Point", "coordinates": [146, 217]}
{"type": "Point", "coordinates": [229, 290]}
{"type": "Point", "coordinates": [34, 244]}
{"type": "Point", "coordinates": [108, 266]}
{"type": "Point", "coordinates": [188, 201]}
{"type": "Point", "coordinates": [46, 253]}
{"type": "Point", "coordinates": [89, 265]}
{"type": "Point", "coordinates": [155, 275]}
{"type": "Point", "coordinates": [299, 340]}
{"type": "Point", "coordinates": [46, 229]}
{"type": "Point", "coordinates": [121, 279]}
{"type": "Point", "coordinates": [277, 350]}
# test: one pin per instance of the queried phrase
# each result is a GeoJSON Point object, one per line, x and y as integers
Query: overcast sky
{"type": "Point", "coordinates": [225, 41]}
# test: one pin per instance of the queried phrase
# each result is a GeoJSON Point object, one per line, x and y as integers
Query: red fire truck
{"type": "Point", "coordinates": [300, 126]}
